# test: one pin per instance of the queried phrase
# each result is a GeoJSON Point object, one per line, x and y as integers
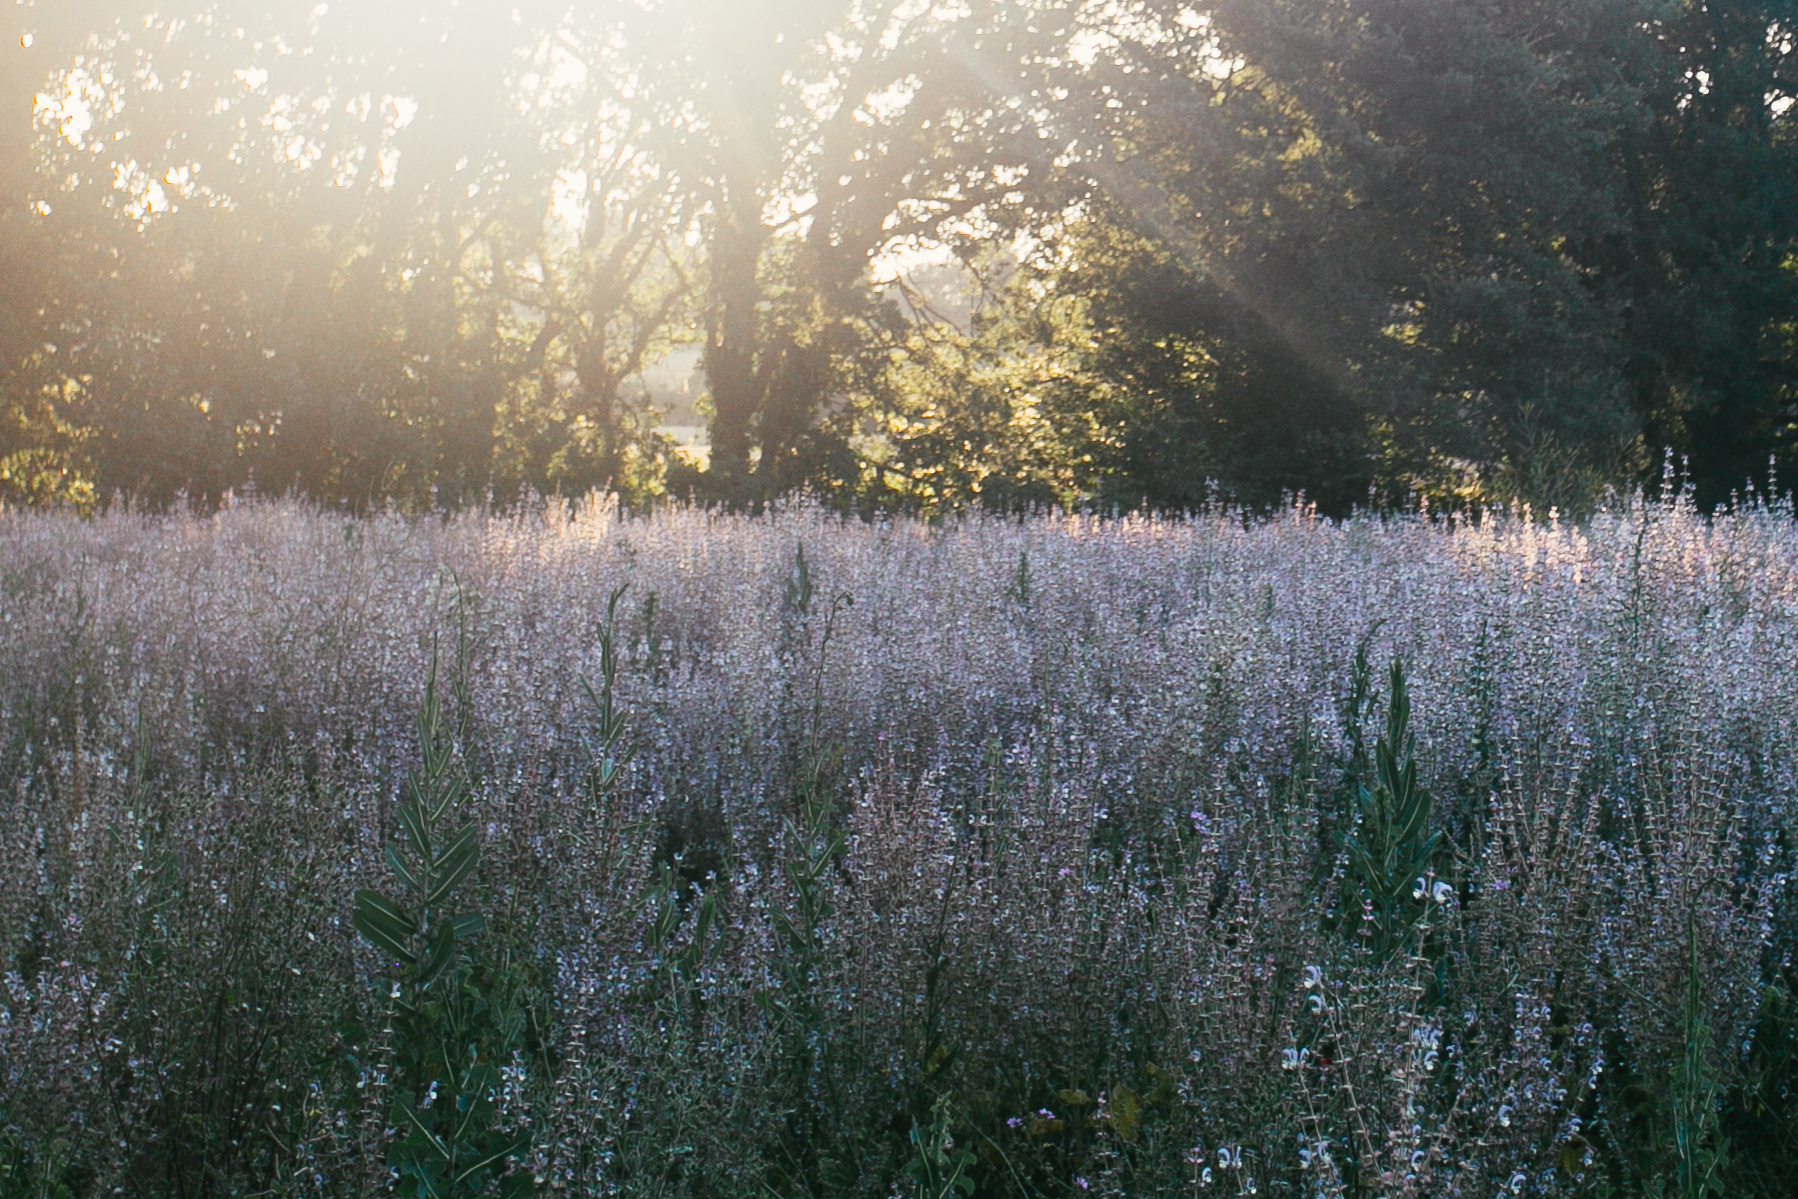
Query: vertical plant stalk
{"type": "Point", "coordinates": [1390, 847]}
{"type": "Point", "coordinates": [1700, 1149]}
{"type": "Point", "coordinates": [937, 1168]}
{"type": "Point", "coordinates": [608, 755]}
{"type": "Point", "coordinates": [815, 842]}
{"type": "Point", "coordinates": [453, 1024]}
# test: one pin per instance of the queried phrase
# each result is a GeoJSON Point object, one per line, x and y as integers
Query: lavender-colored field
{"type": "Point", "coordinates": [1030, 833]}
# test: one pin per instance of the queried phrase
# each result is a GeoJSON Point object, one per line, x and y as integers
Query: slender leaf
{"type": "Point", "coordinates": [384, 923]}
{"type": "Point", "coordinates": [399, 868]}
{"type": "Point", "coordinates": [450, 795]}
{"type": "Point", "coordinates": [476, 1085]}
{"type": "Point", "coordinates": [461, 856]}
{"type": "Point", "coordinates": [424, 1130]}
{"type": "Point", "coordinates": [517, 1145]}
{"type": "Point", "coordinates": [443, 952]}
{"type": "Point", "coordinates": [416, 831]}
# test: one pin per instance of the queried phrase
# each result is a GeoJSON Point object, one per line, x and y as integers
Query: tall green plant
{"type": "Point", "coordinates": [457, 1018]}
{"type": "Point", "coordinates": [814, 841]}
{"type": "Point", "coordinates": [938, 1169]}
{"type": "Point", "coordinates": [1390, 845]}
{"type": "Point", "coordinates": [609, 754]}
{"type": "Point", "coordinates": [1695, 1098]}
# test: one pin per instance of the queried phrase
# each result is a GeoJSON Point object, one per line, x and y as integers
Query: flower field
{"type": "Point", "coordinates": [704, 855]}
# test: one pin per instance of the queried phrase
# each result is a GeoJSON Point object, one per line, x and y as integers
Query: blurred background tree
{"type": "Point", "coordinates": [1006, 252]}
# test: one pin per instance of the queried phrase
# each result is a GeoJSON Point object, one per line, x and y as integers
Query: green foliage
{"type": "Point", "coordinates": [1390, 845]}
{"type": "Point", "coordinates": [1761, 1120]}
{"type": "Point", "coordinates": [1020, 580]}
{"type": "Point", "coordinates": [1189, 389]}
{"type": "Point", "coordinates": [1547, 244]}
{"type": "Point", "coordinates": [813, 838]}
{"type": "Point", "coordinates": [610, 755]}
{"type": "Point", "coordinates": [677, 961]}
{"type": "Point", "coordinates": [796, 601]}
{"type": "Point", "coordinates": [27, 1175]}
{"type": "Point", "coordinates": [1695, 1094]}
{"type": "Point", "coordinates": [938, 1169]}
{"type": "Point", "coordinates": [457, 1019]}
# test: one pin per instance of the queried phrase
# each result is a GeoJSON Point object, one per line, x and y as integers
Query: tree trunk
{"type": "Point", "coordinates": [731, 336]}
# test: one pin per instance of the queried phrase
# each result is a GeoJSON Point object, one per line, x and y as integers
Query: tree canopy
{"type": "Point", "coordinates": [1003, 252]}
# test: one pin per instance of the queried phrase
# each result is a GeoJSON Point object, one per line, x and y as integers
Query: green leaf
{"type": "Point", "coordinates": [1417, 814]}
{"type": "Point", "coordinates": [387, 910]}
{"type": "Point", "coordinates": [413, 1158]}
{"type": "Point", "coordinates": [517, 1145]}
{"type": "Point", "coordinates": [708, 908]}
{"type": "Point", "coordinates": [443, 952]}
{"type": "Point", "coordinates": [460, 857]}
{"type": "Point", "coordinates": [1126, 1113]}
{"type": "Point", "coordinates": [467, 924]}
{"type": "Point", "coordinates": [1391, 777]}
{"type": "Point", "coordinates": [476, 1084]}
{"type": "Point", "coordinates": [385, 923]}
{"type": "Point", "coordinates": [449, 794]}
{"type": "Point", "coordinates": [399, 868]}
{"type": "Point", "coordinates": [1398, 711]}
{"type": "Point", "coordinates": [415, 830]}
{"type": "Point", "coordinates": [430, 1138]}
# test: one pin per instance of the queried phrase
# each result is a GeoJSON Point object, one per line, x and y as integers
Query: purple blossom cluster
{"type": "Point", "coordinates": [985, 817]}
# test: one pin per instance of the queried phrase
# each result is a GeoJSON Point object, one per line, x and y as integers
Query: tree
{"type": "Point", "coordinates": [1531, 242]}
{"type": "Point", "coordinates": [1387, 191]}
{"type": "Point", "coordinates": [322, 249]}
{"type": "Point", "coordinates": [37, 443]}
{"type": "Point", "coordinates": [811, 137]}
{"type": "Point", "coordinates": [1705, 269]}
{"type": "Point", "coordinates": [418, 253]}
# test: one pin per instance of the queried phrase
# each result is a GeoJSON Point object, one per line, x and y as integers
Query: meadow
{"type": "Point", "coordinates": [691, 854]}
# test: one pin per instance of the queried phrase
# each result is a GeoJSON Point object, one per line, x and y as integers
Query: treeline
{"type": "Point", "coordinates": [1005, 252]}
